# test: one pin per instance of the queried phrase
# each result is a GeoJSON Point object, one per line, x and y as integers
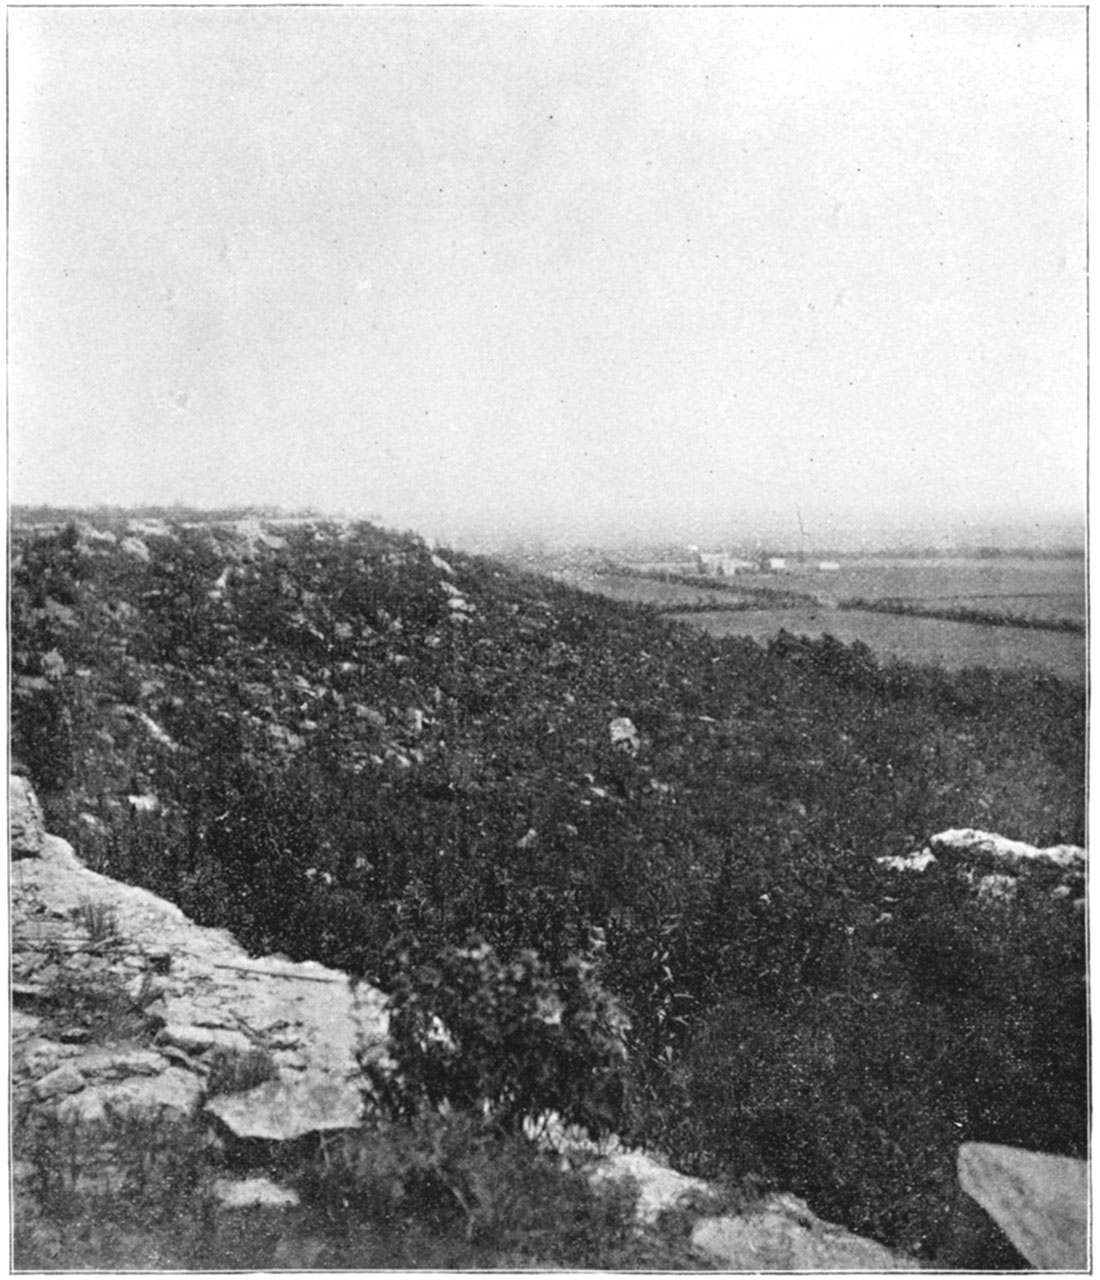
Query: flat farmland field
{"type": "Point", "coordinates": [1049, 589]}
{"type": "Point", "coordinates": [652, 591]}
{"type": "Point", "coordinates": [952, 645]}
{"type": "Point", "coordinates": [1054, 588]}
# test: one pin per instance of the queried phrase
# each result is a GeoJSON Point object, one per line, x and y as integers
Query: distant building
{"type": "Point", "coordinates": [829, 566]}
{"type": "Point", "coordinates": [775, 564]}
{"type": "Point", "coordinates": [719, 565]}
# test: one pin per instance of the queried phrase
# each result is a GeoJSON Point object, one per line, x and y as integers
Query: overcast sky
{"type": "Point", "coordinates": [632, 268]}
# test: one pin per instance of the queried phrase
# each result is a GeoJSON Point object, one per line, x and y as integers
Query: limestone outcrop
{"type": "Point", "coordinates": [781, 1234]}
{"type": "Point", "coordinates": [1040, 1202]}
{"type": "Point", "coordinates": [1009, 855]}
{"type": "Point", "coordinates": [201, 997]}
{"type": "Point", "coordinates": [27, 832]}
{"type": "Point", "coordinates": [994, 864]}
{"type": "Point", "coordinates": [778, 1232]}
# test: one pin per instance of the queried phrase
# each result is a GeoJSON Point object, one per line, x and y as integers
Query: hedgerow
{"type": "Point", "coordinates": [963, 613]}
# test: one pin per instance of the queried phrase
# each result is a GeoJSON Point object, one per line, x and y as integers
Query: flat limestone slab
{"type": "Point", "coordinates": [313, 1021]}
{"type": "Point", "coordinates": [1040, 1202]}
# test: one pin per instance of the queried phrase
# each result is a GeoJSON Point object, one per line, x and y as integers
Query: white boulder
{"type": "Point", "coordinates": [136, 548]}
{"type": "Point", "coordinates": [1009, 853]}
{"type": "Point", "coordinates": [782, 1234]}
{"type": "Point", "coordinates": [253, 1193]}
{"type": "Point", "coordinates": [1040, 1202]}
{"type": "Point", "coordinates": [997, 888]}
{"type": "Point", "coordinates": [913, 862]}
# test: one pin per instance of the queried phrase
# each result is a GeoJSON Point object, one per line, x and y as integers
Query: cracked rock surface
{"type": "Point", "coordinates": [124, 1009]}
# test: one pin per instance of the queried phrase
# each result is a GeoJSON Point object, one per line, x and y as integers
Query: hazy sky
{"type": "Point", "coordinates": [554, 267]}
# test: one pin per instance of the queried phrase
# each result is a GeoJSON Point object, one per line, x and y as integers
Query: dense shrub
{"type": "Point", "coordinates": [507, 1039]}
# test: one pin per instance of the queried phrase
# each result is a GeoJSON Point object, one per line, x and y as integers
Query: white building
{"type": "Point", "coordinates": [719, 564]}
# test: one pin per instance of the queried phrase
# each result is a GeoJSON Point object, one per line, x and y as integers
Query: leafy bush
{"type": "Point", "coordinates": [506, 1038]}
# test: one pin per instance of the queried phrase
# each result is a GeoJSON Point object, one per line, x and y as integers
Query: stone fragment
{"type": "Point", "coordinates": [136, 548]}
{"type": "Point", "coordinates": [27, 991]}
{"type": "Point", "coordinates": [782, 1234]}
{"type": "Point", "coordinates": [659, 1188]}
{"type": "Point", "coordinates": [22, 1024]}
{"type": "Point", "coordinates": [624, 735]}
{"type": "Point", "coordinates": [1040, 1202]}
{"type": "Point", "coordinates": [170, 1053]}
{"type": "Point", "coordinates": [253, 1193]}
{"type": "Point", "coordinates": [373, 717]}
{"type": "Point", "coordinates": [1008, 853]}
{"type": "Point", "coordinates": [38, 1055]}
{"type": "Point", "coordinates": [171, 1095]}
{"type": "Point", "coordinates": [192, 1039]}
{"type": "Point", "coordinates": [914, 862]}
{"type": "Point", "coordinates": [120, 1064]}
{"type": "Point", "coordinates": [83, 1108]}
{"type": "Point", "coordinates": [997, 888]}
{"type": "Point", "coordinates": [282, 1110]}
{"type": "Point", "coordinates": [62, 1080]}
{"type": "Point", "coordinates": [142, 988]}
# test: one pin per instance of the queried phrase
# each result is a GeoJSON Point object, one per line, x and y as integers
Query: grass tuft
{"type": "Point", "coordinates": [100, 920]}
{"type": "Point", "coordinates": [237, 1071]}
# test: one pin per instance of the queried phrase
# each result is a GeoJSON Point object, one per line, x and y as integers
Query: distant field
{"type": "Point", "coordinates": [1027, 588]}
{"type": "Point", "coordinates": [650, 591]}
{"type": "Point", "coordinates": [1042, 588]}
{"type": "Point", "coordinates": [927, 640]}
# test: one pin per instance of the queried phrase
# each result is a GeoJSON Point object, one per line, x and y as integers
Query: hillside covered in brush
{"type": "Point", "coordinates": [344, 745]}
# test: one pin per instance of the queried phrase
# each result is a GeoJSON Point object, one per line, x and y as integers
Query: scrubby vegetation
{"type": "Point", "coordinates": [437, 1193]}
{"type": "Point", "coordinates": [345, 747]}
